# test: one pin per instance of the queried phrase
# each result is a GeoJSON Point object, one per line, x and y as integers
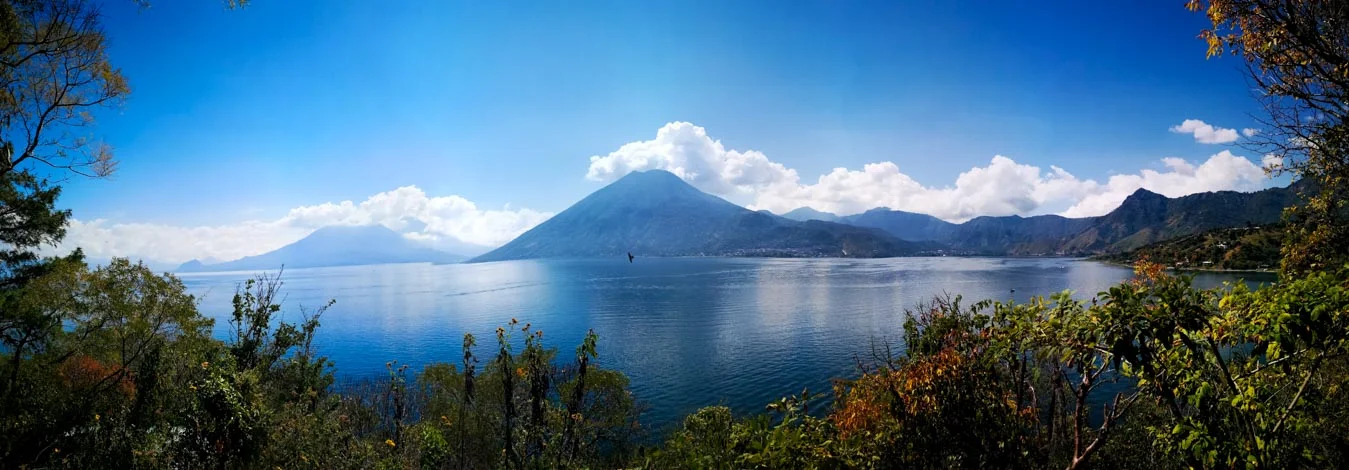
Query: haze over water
{"type": "Point", "coordinates": [688, 332]}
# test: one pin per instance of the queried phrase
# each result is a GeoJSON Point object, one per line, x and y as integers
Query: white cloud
{"type": "Point", "coordinates": [445, 221]}
{"type": "Point", "coordinates": [103, 239]}
{"type": "Point", "coordinates": [1003, 187]}
{"type": "Point", "coordinates": [685, 150]}
{"type": "Point", "coordinates": [1271, 161]}
{"type": "Point", "coordinates": [1249, 132]}
{"type": "Point", "coordinates": [1205, 133]}
{"type": "Point", "coordinates": [1221, 172]}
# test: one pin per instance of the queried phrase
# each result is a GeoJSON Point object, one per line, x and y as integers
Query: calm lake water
{"type": "Point", "coordinates": [688, 332]}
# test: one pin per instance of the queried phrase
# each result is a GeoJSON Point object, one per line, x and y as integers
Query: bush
{"type": "Point", "coordinates": [1152, 373]}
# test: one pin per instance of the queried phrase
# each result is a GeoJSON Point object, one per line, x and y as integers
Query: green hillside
{"type": "Point", "coordinates": [1242, 248]}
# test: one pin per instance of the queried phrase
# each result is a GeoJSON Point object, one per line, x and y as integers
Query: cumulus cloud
{"type": "Point", "coordinates": [409, 207]}
{"type": "Point", "coordinates": [102, 239]}
{"type": "Point", "coordinates": [1002, 187]}
{"type": "Point", "coordinates": [449, 222]}
{"type": "Point", "coordinates": [685, 150]}
{"type": "Point", "coordinates": [1221, 172]}
{"type": "Point", "coordinates": [1249, 132]}
{"type": "Point", "coordinates": [1205, 133]}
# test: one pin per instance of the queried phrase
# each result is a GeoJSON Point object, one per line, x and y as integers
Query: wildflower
{"type": "Point", "coordinates": [192, 387]}
{"type": "Point", "coordinates": [205, 364]}
{"type": "Point", "coordinates": [390, 443]}
{"type": "Point", "coordinates": [520, 371]}
{"type": "Point", "coordinates": [96, 416]}
{"type": "Point", "coordinates": [56, 450]}
{"type": "Point", "coordinates": [444, 420]}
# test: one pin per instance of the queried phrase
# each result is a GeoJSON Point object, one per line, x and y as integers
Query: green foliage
{"type": "Point", "coordinates": [1296, 53]}
{"type": "Point", "coordinates": [28, 219]}
{"type": "Point", "coordinates": [91, 356]}
{"type": "Point", "coordinates": [1152, 374]}
{"type": "Point", "coordinates": [114, 366]}
{"type": "Point", "coordinates": [525, 410]}
{"type": "Point", "coordinates": [1243, 248]}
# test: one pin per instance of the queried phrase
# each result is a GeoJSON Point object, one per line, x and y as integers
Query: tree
{"type": "Point", "coordinates": [85, 346]}
{"type": "Point", "coordinates": [28, 220]}
{"type": "Point", "coordinates": [1297, 56]}
{"type": "Point", "coordinates": [55, 73]}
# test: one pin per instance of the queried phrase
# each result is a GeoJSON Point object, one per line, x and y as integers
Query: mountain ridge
{"type": "Point", "coordinates": [655, 213]}
{"type": "Point", "coordinates": [1144, 217]}
{"type": "Point", "coordinates": [334, 246]}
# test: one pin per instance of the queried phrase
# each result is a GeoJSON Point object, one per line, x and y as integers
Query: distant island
{"type": "Point", "coordinates": [335, 246]}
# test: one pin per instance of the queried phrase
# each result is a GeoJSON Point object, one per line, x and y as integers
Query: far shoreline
{"type": "Point", "coordinates": [1197, 270]}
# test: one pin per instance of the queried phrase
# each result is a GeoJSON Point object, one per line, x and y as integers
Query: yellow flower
{"type": "Point", "coordinates": [56, 450]}
{"type": "Point", "coordinates": [390, 443]}
{"type": "Point", "coordinates": [96, 416]}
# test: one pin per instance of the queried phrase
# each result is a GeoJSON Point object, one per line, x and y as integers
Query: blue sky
{"type": "Point", "coordinates": [245, 115]}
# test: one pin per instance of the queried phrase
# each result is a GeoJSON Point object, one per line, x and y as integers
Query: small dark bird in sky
{"type": "Point", "coordinates": [630, 256]}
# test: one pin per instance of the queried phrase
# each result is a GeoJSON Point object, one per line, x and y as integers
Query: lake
{"type": "Point", "coordinates": [688, 332]}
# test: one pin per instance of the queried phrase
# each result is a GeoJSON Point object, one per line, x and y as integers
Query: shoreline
{"type": "Point", "coordinates": [1198, 270]}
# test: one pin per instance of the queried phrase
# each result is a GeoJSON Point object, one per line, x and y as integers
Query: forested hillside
{"type": "Point", "coordinates": [1242, 248]}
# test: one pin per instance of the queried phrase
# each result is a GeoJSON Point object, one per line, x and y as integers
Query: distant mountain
{"type": "Point", "coordinates": [905, 225]}
{"type": "Point", "coordinates": [191, 266]}
{"type": "Point", "coordinates": [805, 213]}
{"type": "Point", "coordinates": [654, 213]}
{"type": "Point", "coordinates": [335, 246]}
{"type": "Point", "coordinates": [1144, 217]}
{"type": "Point", "coordinates": [1016, 235]}
{"type": "Point", "coordinates": [457, 247]}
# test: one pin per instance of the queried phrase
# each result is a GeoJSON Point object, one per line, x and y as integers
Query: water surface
{"type": "Point", "coordinates": [688, 332]}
